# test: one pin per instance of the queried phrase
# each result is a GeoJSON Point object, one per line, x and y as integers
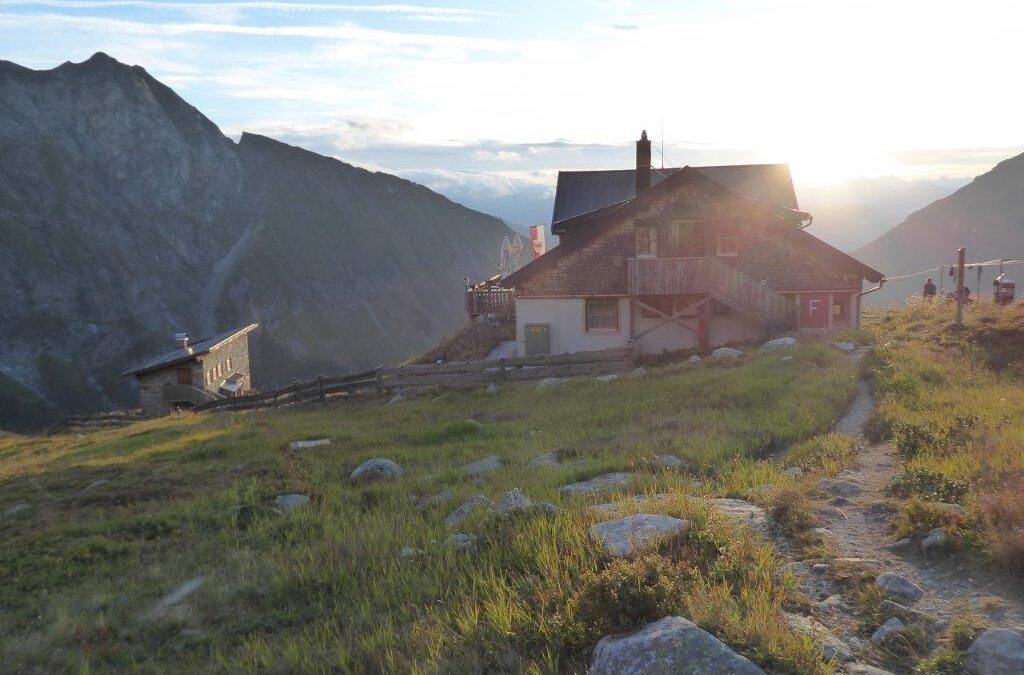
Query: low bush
{"type": "Point", "coordinates": [792, 510]}
{"type": "Point", "coordinates": [1002, 514]}
{"type": "Point", "coordinates": [942, 662]}
{"type": "Point", "coordinates": [930, 485]}
{"type": "Point", "coordinates": [917, 516]}
{"type": "Point", "coordinates": [829, 453]}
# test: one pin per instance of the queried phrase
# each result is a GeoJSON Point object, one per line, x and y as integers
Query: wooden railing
{"type": "Point", "coordinates": [490, 301]}
{"type": "Point", "coordinates": [711, 276]}
{"type": "Point", "coordinates": [187, 393]}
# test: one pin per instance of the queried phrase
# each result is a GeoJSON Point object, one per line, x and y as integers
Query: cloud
{"type": "Point", "coordinates": [625, 26]}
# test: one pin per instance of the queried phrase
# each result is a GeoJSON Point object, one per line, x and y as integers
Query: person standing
{"type": "Point", "coordinates": [929, 289]}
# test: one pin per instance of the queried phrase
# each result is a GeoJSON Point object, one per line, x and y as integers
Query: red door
{"type": "Point", "coordinates": [814, 310]}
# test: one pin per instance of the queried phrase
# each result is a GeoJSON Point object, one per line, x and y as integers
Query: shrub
{"type": "Point", "coordinates": [791, 509]}
{"type": "Point", "coordinates": [964, 629]}
{"type": "Point", "coordinates": [942, 662]}
{"type": "Point", "coordinates": [829, 452]}
{"type": "Point", "coordinates": [628, 594]}
{"type": "Point", "coordinates": [929, 484]}
{"type": "Point", "coordinates": [918, 516]}
{"type": "Point", "coordinates": [1002, 513]}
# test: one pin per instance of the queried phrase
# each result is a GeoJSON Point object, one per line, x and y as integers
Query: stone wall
{"type": "Point", "coordinates": [235, 350]}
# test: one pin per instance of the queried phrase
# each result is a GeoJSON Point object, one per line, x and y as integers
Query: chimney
{"type": "Point", "coordinates": [643, 164]}
{"type": "Point", "coordinates": [181, 340]}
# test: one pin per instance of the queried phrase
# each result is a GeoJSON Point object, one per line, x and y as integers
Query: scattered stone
{"type": "Point", "coordinates": [462, 542]}
{"type": "Point", "coordinates": [639, 372]}
{"type": "Point", "coordinates": [546, 459]}
{"type": "Point", "coordinates": [936, 541]}
{"type": "Point", "coordinates": [511, 502]}
{"type": "Point", "coordinates": [840, 488]}
{"type": "Point", "coordinates": [831, 646]}
{"type": "Point", "coordinates": [693, 359]}
{"type": "Point", "coordinates": [102, 482]}
{"type": "Point", "coordinates": [899, 588]}
{"type": "Point", "coordinates": [373, 470]}
{"type": "Point", "coordinates": [469, 506]}
{"type": "Point", "coordinates": [840, 501]}
{"type": "Point", "coordinates": [178, 595]}
{"type": "Point", "coordinates": [668, 462]}
{"type": "Point", "coordinates": [847, 347]}
{"type": "Point", "coordinates": [888, 630]}
{"type": "Point", "coordinates": [726, 353]}
{"type": "Point", "coordinates": [787, 358]}
{"type": "Point", "coordinates": [408, 552]}
{"type": "Point", "coordinates": [607, 378]}
{"type": "Point", "coordinates": [547, 508]}
{"type": "Point", "coordinates": [18, 508]}
{"type": "Point", "coordinates": [624, 537]}
{"type": "Point", "coordinates": [779, 344]}
{"type": "Point", "coordinates": [900, 545]}
{"type": "Point", "coordinates": [908, 614]}
{"type": "Point", "coordinates": [434, 500]}
{"type": "Point", "coordinates": [819, 568]}
{"type": "Point", "coordinates": [492, 389]}
{"type": "Point", "coordinates": [549, 382]}
{"type": "Point", "coordinates": [821, 532]}
{"type": "Point", "coordinates": [397, 398]}
{"type": "Point", "coordinates": [290, 502]}
{"type": "Point", "coordinates": [848, 474]}
{"type": "Point", "coordinates": [793, 472]}
{"type": "Point", "coordinates": [304, 445]}
{"type": "Point", "coordinates": [669, 645]}
{"type": "Point", "coordinates": [834, 602]}
{"type": "Point", "coordinates": [952, 508]}
{"type": "Point", "coordinates": [606, 481]}
{"type": "Point", "coordinates": [880, 510]}
{"type": "Point", "coordinates": [482, 466]}
{"type": "Point", "coordinates": [742, 512]}
{"type": "Point", "coordinates": [997, 651]}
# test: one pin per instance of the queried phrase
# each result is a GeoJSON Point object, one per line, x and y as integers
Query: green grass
{"type": "Point", "coordinates": [322, 589]}
{"type": "Point", "coordinates": [952, 401]}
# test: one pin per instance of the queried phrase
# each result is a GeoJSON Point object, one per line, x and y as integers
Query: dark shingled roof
{"type": "Point", "coordinates": [580, 192]}
{"type": "Point", "coordinates": [204, 346]}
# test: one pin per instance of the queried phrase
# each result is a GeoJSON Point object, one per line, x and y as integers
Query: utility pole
{"type": "Point", "coordinates": [961, 257]}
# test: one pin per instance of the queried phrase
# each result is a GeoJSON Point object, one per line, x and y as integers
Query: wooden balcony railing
{"type": "Point", "coordinates": [498, 301]}
{"type": "Point", "coordinates": [711, 276]}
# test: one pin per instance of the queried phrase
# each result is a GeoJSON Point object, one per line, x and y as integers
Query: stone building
{"type": "Point", "coordinates": [195, 372]}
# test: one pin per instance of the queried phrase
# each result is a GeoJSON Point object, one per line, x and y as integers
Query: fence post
{"type": "Point", "coordinates": [275, 397]}
{"type": "Point", "coordinates": [380, 380]}
{"type": "Point", "coordinates": [501, 370]}
{"type": "Point", "coordinates": [320, 385]}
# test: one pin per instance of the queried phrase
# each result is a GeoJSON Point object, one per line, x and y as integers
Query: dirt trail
{"type": "Point", "coordinates": [861, 530]}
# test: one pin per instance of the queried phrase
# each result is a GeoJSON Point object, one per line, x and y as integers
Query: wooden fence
{"type": "Point", "coordinates": [107, 420]}
{"type": "Point", "coordinates": [461, 374]}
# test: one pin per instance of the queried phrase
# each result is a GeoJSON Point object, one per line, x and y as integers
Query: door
{"type": "Point", "coordinates": [184, 375]}
{"type": "Point", "coordinates": [538, 338]}
{"type": "Point", "coordinates": [814, 310]}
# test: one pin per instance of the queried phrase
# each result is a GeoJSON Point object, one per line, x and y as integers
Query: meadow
{"type": "Point", "coordinates": [98, 527]}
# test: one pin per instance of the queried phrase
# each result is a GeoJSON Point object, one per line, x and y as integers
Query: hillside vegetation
{"type": "Point", "coordinates": [98, 528]}
{"type": "Point", "coordinates": [952, 401]}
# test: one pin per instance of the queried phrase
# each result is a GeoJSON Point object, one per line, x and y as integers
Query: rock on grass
{"type": "Point", "coordinates": [304, 445]}
{"type": "Point", "coordinates": [471, 504]}
{"type": "Point", "coordinates": [624, 537]}
{"type": "Point", "coordinates": [373, 470]}
{"type": "Point", "coordinates": [290, 502]}
{"type": "Point", "coordinates": [482, 466]}
{"type": "Point", "coordinates": [831, 646]}
{"type": "Point", "coordinates": [888, 630]}
{"type": "Point", "coordinates": [670, 645]}
{"type": "Point", "coordinates": [997, 651]}
{"type": "Point", "coordinates": [462, 542]}
{"type": "Point", "coordinates": [899, 588]}
{"type": "Point", "coordinates": [605, 481]}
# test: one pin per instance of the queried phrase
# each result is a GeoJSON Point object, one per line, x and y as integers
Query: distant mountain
{"type": "Point", "coordinates": [986, 216]}
{"type": "Point", "coordinates": [126, 215]}
{"type": "Point", "coordinates": [852, 213]}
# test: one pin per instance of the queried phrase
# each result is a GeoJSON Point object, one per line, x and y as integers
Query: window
{"type": "Point", "coordinates": [184, 375]}
{"type": "Point", "coordinates": [229, 363]}
{"type": "Point", "coordinates": [728, 244]}
{"type": "Point", "coordinates": [602, 314]}
{"type": "Point", "coordinates": [646, 241]}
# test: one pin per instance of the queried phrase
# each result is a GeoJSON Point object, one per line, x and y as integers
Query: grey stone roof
{"type": "Point", "coordinates": [204, 346]}
{"type": "Point", "coordinates": [580, 192]}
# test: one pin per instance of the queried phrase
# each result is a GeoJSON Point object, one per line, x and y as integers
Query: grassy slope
{"type": "Point", "coordinates": [323, 589]}
{"type": "Point", "coordinates": [953, 402]}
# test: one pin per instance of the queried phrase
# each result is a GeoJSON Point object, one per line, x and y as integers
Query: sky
{"type": "Point", "coordinates": [493, 98]}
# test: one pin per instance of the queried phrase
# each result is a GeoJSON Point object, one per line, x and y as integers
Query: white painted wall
{"type": "Point", "coordinates": [670, 336]}
{"type": "Point", "coordinates": [567, 319]}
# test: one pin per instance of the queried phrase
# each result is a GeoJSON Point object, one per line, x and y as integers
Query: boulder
{"type": "Point", "coordinates": [373, 470]}
{"type": "Point", "coordinates": [433, 500]}
{"type": "Point", "coordinates": [693, 359]}
{"type": "Point", "coordinates": [304, 445]}
{"type": "Point", "coordinates": [607, 378]}
{"type": "Point", "coordinates": [793, 472]}
{"type": "Point", "coordinates": [547, 508]}
{"type": "Point", "coordinates": [831, 646]}
{"type": "Point", "coordinates": [606, 481]}
{"type": "Point", "coordinates": [290, 502]}
{"type": "Point", "coordinates": [408, 552]}
{"type": "Point", "coordinates": [669, 645]}
{"type": "Point", "coordinates": [888, 630]}
{"type": "Point", "coordinates": [937, 541]}
{"type": "Point", "coordinates": [482, 466]}
{"type": "Point", "coordinates": [906, 614]}
{"type": "Point", "coordinates": [668, 462]}
{"type": "Point", "coordinates": [900, 545]}
{"type": "Point", "coordinates": [742, 512]}
{"type": "Point", "coordinates": [997, 651]}
{"type": "Point", "coordinates": [899, 588]}
{"type": "Point", "coordinates": [726, 353]}
{"type": "Point", "coordinates": [513, 501]}
{"type": "Point", "coordinates": [397, 398]}
{"type": "Point", "coordinates": [546, 459]}
{"type": "Point", "coordinates": [779, 344]}
{"type": "Point", "coordinates": [639, 372]}
{"type": "Point", "coordinates": [627, 536]}
{"type": "Point", "coordinates": [469, 506]}
{"type": "Point", "coordinates": [847, 347]}
{"type": "Point", "coordinates": [840, 488]}
{"type": "Point", "coordinates": [787, 358]}
{"type": "Point", "coordinates": [549, 382]}
{"type": "Point", "coordinates": [462, 542]}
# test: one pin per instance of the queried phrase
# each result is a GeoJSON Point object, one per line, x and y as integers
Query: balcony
{"type": "Point", "coordinates": [711, 276]}
{"type": "Point", "coordinates": [492, 301]}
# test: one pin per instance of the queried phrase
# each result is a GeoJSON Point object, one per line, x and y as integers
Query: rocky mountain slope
{"type": "Point", "coordinates": [126, 215]}
{"type": "Point", "coordinates": [986, 216]}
